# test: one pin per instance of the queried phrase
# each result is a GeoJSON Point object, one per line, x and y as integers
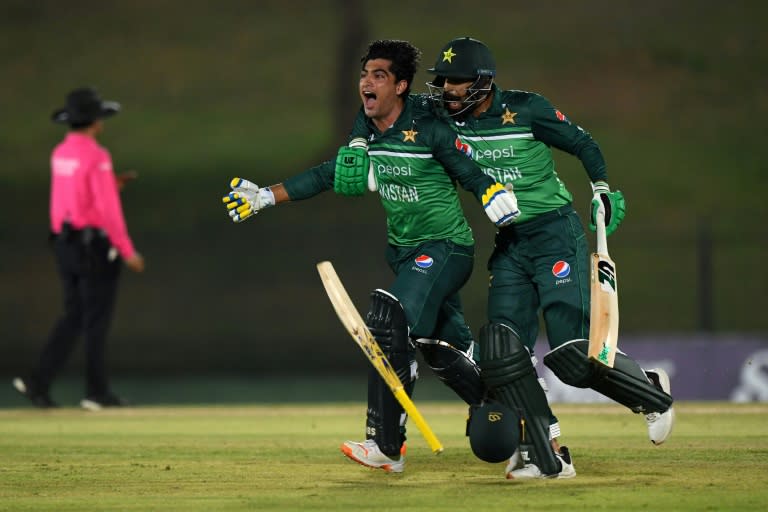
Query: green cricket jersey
{"type": "Point", "coordinates": [416, 166]}
{"type": "Point", "coordinates": [511, 142]}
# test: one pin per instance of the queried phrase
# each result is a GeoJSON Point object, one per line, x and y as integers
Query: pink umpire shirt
{"type": "Point", "coordinates": [84, 190]}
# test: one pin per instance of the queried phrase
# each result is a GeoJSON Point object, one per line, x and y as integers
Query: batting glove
{"type": "Point", "coordinates": [500, 204]}
{"type": "Point", "coordinates": [613, 204]}
{"type": "Point", "coordinates": [352, 165]}
{"type": "Point", "coordinates": [246, 199]}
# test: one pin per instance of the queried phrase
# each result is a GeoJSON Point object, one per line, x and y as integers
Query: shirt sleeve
{"type": "Point", "coordinates": [553, 128]}
{"type": "Point", "coordinates": [319, 178]}
{"type": "Point", "coordinates": [107, 199]}
{"type": "Point", "coordinates": [311, 182]}
{"type": "Point", "coordinates": [459, 166]}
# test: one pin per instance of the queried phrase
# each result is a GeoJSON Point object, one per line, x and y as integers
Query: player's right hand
{"type": "Point", "coordinates": [352, 166]}
{"type": "Point", "coordinates": [500, 204]}
{"type": "Point", "coordinates": [246, 199]}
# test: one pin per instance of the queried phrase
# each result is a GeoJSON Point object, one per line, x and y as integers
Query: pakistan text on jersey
{"type": "Point", "coordinates": [393, 192]}
{"type": "Point", "coordinates": [503, 175]}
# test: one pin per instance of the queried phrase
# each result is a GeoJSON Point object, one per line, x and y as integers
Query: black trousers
{"type": "Point", "coordinates": [89, 283]}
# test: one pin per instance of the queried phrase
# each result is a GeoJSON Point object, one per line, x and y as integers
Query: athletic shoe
{"type": "Point", "coordinates": [99, 402]}
{"type": "Point", "coordinates": [531, 471]}
{"type": "Point", "coordinates": [27, 387]}
{"type": "Point", "coordinates": [515, 462]}
{"type": "Point", "coordinates": [368, 454]}
{"type": "Point", "coordinates": [660, 423]}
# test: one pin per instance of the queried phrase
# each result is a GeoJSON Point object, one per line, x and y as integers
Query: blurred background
{"type": "Point", "coordinates": [674, 92]}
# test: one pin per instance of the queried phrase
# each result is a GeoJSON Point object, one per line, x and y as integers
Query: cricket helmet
{"type": "Point", "coordinates": [463, 59]}
{"type": "Point", "coordinates": [494, 431]}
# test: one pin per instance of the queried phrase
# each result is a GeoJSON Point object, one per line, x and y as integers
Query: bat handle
{"type": "Point", "coordinates": [602, 238]}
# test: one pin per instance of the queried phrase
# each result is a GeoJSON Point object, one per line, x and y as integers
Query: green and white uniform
{"type": "Point", "coordinates": [541, 261]}
{"type": "Point", "coordinates": [431, 247]}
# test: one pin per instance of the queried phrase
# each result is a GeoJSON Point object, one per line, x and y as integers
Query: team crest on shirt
{"type": "Point", "coordinates": [463, 147]}
{"type": "Point", "coordinates": [508, 117]}
{"type": "Point", "coordinates": [409, 135]}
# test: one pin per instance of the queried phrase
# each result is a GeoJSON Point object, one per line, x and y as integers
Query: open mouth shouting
{"type": "Point", "coordinates": [369, 100]}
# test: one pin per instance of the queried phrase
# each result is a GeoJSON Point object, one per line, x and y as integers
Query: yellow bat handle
{"type": "Point", "coordinates": [418, 419]}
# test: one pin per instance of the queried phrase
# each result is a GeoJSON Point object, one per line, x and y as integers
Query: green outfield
{"type": "Point", "coordinates": [268, 457]}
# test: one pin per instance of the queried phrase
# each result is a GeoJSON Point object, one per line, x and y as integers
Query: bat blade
{"type": "Point", "coordinates": [604, 299]}
{"type": "Point", "coordinates": [355, 325]}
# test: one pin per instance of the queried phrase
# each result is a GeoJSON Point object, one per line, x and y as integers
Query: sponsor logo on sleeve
{"type": "Point", "coordinates": [463, 147]}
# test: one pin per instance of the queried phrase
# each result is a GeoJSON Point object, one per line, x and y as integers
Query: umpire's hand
{"type": "Point", "coordinates": [135, 262]}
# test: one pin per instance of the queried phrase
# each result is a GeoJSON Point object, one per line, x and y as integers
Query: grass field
{"type": "Point", "coordinates": [286, 458]}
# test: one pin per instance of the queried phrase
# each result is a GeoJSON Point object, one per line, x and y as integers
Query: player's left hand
{"type": "Point", "coordinates": [352, 168]}
{"type": "Point", "coordinates": [613, 203]}
{"type": "Point", "coordinates": [500, 204]}
{"type": "Point", "coordinates": [246, 199]}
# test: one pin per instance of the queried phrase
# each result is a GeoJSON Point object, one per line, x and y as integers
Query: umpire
{"type": "Point", "coordinates": [90, 241]}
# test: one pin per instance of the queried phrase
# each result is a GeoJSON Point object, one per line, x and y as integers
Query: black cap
{"type": "Point", "coordinates": [84, 106]}
{"type": "Point", "coordinates": [494, 431]}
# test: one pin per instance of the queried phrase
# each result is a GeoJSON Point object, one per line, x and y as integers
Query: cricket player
{"type": "Point", "coordinates": [540, 263]}
{"type": "Point", "coordinates": [411, 161]}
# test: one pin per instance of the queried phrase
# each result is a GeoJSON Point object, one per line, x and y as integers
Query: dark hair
{"type": "Point", "coordinates": [403, 55]}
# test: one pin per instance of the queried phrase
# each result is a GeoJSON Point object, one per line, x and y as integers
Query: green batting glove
{"type": "Point", "coordinates": [352, 163]}
{"type": "Point", "coordinates": [614, 205]}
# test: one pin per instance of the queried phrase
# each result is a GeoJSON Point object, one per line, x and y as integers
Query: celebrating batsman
{"type": "Point", "coordinates": [540, 263]}
{"type": "Point", "coordinates": [411, 160]}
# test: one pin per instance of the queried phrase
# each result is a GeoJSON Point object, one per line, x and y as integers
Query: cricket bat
{"type": "Point", "coordinates": [356, 327]}
{"type": "Point", "coordinates": [604, 309]}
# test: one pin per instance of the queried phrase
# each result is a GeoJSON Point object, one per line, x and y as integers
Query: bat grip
{"type": "Point", "coordinates": [602, 238]}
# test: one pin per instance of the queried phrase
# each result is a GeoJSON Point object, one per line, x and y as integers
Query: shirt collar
{"type": "Point", "coordinates": [404, 119]}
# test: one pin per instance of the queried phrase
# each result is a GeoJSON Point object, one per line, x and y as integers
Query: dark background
{"type": "Point", "coordinates": [674, 92]}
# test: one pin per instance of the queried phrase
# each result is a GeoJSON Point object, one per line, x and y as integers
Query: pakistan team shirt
{"type": "Point", "coordinates": [416, 166]}
{"type": "Point", "coordinates": [511, 142]}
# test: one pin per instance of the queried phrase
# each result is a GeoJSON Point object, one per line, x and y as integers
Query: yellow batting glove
{"type": "Point", "coordinates": [500, 204]}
